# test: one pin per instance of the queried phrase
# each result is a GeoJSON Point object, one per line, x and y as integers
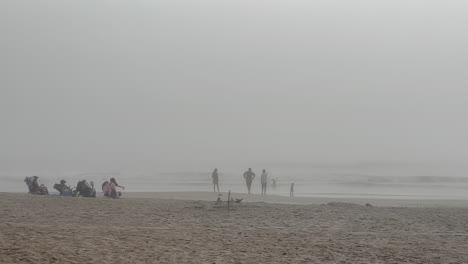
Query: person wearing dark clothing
{"type": "Point", "coordinates": [35, 185]}
{"type": "Point", "coordinates": [214, 175]}
{"type": "Point", "coordinates": [249, 176]}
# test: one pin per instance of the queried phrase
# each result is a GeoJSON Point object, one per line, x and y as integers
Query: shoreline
{"type": "Point", "coordinates": [277, 199]}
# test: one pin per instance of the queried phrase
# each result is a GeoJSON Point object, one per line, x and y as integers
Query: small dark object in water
{"type": "Point", "coordinates": [238, 200]}
{"type": "Point", "coordinates": [368, 205]}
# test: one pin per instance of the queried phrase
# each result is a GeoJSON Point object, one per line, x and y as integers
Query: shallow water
{"type": "Point", "coordinates": [310, 181]}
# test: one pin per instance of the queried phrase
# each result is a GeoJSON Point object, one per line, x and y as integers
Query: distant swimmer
{"type": "Point", "coordinates": [214, 175]}
{"type": "Point", "coordinates": [291, 191]}
{"type": "Point", "coordinates": [274, 181]}
{"type": "Point", "coordinates": [249, 176]}
{"type": "Point", "coordinates": [264, 181]}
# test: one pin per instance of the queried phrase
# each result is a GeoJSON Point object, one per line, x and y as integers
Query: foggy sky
{"type": "Point", "coordinates": [85, 83]}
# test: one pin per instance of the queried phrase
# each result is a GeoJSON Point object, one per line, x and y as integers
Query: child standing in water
{"type": "Point", "coordinates": [263, 181]}
{"type": "Point", "coordinates": [291, 191]}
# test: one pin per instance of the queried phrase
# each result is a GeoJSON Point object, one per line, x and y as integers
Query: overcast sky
{"type": "Point", "coordinates": [151, 82]}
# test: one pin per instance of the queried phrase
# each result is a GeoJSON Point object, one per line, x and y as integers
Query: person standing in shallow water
{"type": "Point", "coordinates": [214, 175]}
{"type": "Point", "coordinates": [264, 181]}
{"type": "Point", "coordinates": [291, 191]}
{"type": "Point", "coordinates": [249, 176]}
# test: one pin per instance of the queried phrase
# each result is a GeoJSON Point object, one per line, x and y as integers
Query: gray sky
{"type": "Point", "coordinates": [150, 82]}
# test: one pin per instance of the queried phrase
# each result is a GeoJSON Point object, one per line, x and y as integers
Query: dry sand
{"type": "Point", "coordinates": [150, 229]}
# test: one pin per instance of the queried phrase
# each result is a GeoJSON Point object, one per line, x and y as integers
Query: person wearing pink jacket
{"type": "Point", "coordinates": [109, 189]}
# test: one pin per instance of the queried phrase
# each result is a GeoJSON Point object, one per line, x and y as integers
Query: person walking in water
{"type": "Point", "coordinates": [264, 181]}
{"type": "Point", "coordinates": [291, 191]}
{"type": "Point", "coordinates": [249, 176]}
{"type": "Point", "coordinates": [214, 175]}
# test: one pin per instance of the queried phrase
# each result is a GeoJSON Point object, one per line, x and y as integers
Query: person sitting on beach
{"type": "Point", "coordinates": [249, 176]}
{"type": "Point", "coordinates": [214, 175]}
{"type": "Point", "coordinates": [85, 189]}
{"type": "Point", "coordinates": [263, 181]}
{"type": "Point", "coordinates": [291, 191]}
{"type": "Point", "coordinates": [63, 189]}
{"type": "Point", "coordinates": [34, 187]}
{"type": "Point", "coordinates": [103, 187]}
{"type": "Point", "coordinates": [110, 189]}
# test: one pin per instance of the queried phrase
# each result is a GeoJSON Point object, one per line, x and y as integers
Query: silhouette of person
{"type": "Point", "coordinates": [291, 191]}
{"type": "Point", "coordinates": [35, 185]}
{"type": "Point", "coordinates": [42, 189]}
{"type": "Point", "coordinates": [63, 188]}
{"type": "Point", "coordinates": [264, 181]}
{"type": "Point", "coordinates": [249, 176]}
{"type": "Point", "coordinates": [214, 175]}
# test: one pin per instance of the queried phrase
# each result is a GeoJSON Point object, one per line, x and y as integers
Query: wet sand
{"type": "Point", "coordinates": [191, 228]}
{"type": "Point", "coordinates": [210, 196]}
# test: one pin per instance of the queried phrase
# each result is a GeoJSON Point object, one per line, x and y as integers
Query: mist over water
{"type": "Point", "coordinates": [158, 93]}
{"type": "Point", "coordinates": [366, 180]}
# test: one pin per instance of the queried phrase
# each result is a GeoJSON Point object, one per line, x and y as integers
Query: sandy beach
{"type": "Point", "coordinates": [191, 228]}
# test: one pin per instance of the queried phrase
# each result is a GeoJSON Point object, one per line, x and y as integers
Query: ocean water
{"type": "Point", "coordinates": [360, 181]}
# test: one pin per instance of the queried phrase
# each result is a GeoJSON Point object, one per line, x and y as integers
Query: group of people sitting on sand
{"type": "Point", "coordinates": [83, 188]}
{"type": "Point", "coordinates": [249, 176]}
